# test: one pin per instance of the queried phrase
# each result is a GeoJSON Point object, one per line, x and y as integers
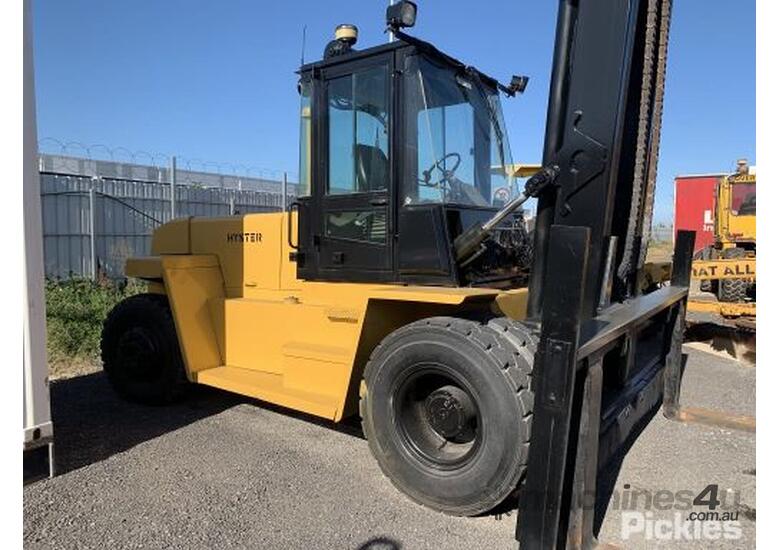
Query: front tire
{"type": "Point", "coordinates": [446, 406]}
{"type": "Point", "coordinates": [733, 290]}
{"type": "Point", "coordinates": [140, 350]}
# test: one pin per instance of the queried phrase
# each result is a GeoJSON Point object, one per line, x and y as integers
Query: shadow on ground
{"type": "Point", "coordinates": [605, 482]}
{"type": "Point", "coordinates": [380, 543]}
{"type": "Point", "coordinates": [92, 423]}
{"type": "Point", "coordinates": [608, 474]}
{"type": "Point", "coordinates": [739, 344]}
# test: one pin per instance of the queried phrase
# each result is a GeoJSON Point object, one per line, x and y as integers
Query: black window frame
{"type": "Point", "coordinates": [431, 220]}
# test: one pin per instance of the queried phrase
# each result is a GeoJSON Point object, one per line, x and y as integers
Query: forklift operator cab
{"type": "Point", "coordinates": [402, 149]}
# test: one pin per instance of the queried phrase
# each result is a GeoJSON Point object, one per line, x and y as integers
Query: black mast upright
{"type": "Point", "coordinates": [603, 122]}
{"type": "Point", "coordinates": [603, 127]}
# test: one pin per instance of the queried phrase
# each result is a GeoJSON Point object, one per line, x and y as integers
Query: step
{"type": "Point", "coordinates": [267, 387]}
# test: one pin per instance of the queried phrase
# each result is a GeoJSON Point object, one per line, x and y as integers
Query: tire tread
{"type": "Point", "coordinates": [154, 306]}
{"type": "Point", "coordinates": [511, 346]}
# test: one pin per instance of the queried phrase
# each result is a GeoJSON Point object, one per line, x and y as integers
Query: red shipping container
{"type": "Point", "coordinates": [694, 206]}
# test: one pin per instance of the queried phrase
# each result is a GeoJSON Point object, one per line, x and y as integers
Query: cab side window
{"type": "Point", "coordinates": [358, 139]}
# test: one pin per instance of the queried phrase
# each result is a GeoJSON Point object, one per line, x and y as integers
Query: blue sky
{"type": "Point", "coordinates": [214, 82]}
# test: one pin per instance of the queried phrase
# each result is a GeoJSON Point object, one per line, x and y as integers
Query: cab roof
{"type": "Point", "coordinates": [403, 41]}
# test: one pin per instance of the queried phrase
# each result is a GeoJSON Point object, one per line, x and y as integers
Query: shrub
{"type": "Point", "coordinates": [75, 310]}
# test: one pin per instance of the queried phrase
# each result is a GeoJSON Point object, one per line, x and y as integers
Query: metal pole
{"type": "Point", "coordinates": [37, 425]}
{"type": "Point", "coordinates": [173, 186]}
{"type": "Point", "coordinates": [391, 34]}
{"type": "Point", "coordinates": [545, 209]}
{"type": "Point", "coordinates": [284, 192]}
{"type": "Point", "coordinates": [92, 253]}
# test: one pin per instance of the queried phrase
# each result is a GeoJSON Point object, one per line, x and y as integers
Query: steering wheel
{"type": "Point", "coordinates": [446, 175]}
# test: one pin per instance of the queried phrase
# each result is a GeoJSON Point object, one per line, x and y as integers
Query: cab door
{"type": "Point", "coordinates": [353, 233]}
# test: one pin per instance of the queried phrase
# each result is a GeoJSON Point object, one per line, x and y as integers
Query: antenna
{"type": "Point", "coordinates": [303, 44]}
{"type": "Point", "coordinates": [390, 33]}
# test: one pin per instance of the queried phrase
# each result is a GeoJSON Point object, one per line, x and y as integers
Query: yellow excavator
{"type": "Point", "coordinates": [402, 284]}
{"type": "Point", "coordinates": [727, 268]}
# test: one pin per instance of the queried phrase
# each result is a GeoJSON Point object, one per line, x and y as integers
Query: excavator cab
{"type": "Point", "coordinates": [403, 148]}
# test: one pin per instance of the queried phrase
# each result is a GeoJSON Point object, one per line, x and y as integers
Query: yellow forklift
{"type": "Point", "coordinates": [727, 268]}
{"type": "Point", "coordinates": [400, 286]}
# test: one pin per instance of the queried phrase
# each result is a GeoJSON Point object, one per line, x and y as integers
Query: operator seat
{"type": "Point", "coordinates": [372, 173]}
{"type": "Point", "coordinates": [371, 168]}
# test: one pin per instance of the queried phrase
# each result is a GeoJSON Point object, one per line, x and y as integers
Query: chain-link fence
{"type": "Point", "coordinates": [662, 233]}
{"type": "Point", "coordinates": [98, 213]}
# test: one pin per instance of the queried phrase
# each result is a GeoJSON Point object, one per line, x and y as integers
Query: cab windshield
{"type": "Point", "coordinates": [743, 199]}
{"type": "Point", "coordinates": [456, 146]}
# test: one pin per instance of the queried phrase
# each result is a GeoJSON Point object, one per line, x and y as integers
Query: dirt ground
{"type": "Point", "coordinates": [660, 251]}
{"type": "Point", "coordinates": [63, 369]}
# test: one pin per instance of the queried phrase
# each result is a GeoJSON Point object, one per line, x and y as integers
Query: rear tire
{"type": "Point", "coordinates": [733, 290]}
{"type": "Point", "coordinates": [705, 285]}
{"type": "Point", "coordinates": [140, 350]}
{"type": "Point", "coordinates": [446, 406]}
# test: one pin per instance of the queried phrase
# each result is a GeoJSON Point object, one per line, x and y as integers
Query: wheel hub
{"type": "Point", "coordinates": [450, 411]}
{"type": "Point", "coordinates": [136, 352]}
{"type": "Point", "coordinates": [438, 419]}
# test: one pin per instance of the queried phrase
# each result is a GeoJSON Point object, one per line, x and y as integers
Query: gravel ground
{"type": "Point", "coordinates": [220, 471]}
